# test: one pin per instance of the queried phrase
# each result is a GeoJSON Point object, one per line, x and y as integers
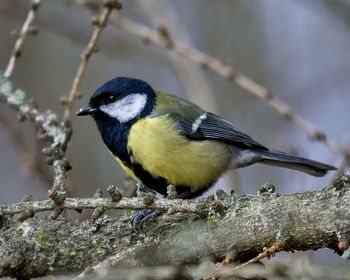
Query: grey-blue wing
{"type": "Point", "coordinates": [210, 126]}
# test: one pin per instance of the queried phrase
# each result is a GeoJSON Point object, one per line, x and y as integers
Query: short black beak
{"type": "Point", "coordinates": [85, 110]}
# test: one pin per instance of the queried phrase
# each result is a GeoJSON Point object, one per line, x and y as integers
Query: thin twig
{"type": "Point", "coordinates": [175, 205]}
{"type": "Point", "coordinates": [21, 37]}
{"type": "Point", "coordinates": [275, 248]}
{"type": "Point", "coordinates": [299, 269]}
{"type": "Point", "coordinates": [226, 71]}
{"type": "Point", "coordinates": [91, 47]}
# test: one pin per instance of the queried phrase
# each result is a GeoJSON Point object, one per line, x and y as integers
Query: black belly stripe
{"type": "Point", "coordinates": [158, 184]}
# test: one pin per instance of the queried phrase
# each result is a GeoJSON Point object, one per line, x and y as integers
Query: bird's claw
{"type": "Point", "coordinates": [141, 217]}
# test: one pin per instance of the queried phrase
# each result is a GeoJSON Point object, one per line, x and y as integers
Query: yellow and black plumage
{"type": "Point", "coordinates": [160, 139]}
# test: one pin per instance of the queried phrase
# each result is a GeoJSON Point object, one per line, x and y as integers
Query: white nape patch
{"type": "Point", "coordinates": [198, 122]}
{"type": "Point", "coordinates": [126, 108]}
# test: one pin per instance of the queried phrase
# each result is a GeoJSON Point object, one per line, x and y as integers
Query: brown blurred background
{"type": "Point", "coordinates": [297, 48]}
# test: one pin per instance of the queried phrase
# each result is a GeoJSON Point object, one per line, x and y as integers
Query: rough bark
{"type": "Point", "coordinates": [242, 224]}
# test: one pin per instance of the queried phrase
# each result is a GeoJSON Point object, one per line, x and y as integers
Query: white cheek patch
{"type": "Point", "coordinates": [126, 108]}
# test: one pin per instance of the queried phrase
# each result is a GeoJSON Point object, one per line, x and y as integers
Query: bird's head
{"type": "Point", "coordinates": [120, 100]}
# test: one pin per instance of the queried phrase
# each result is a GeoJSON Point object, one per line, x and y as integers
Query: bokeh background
{"type": "Point", "coordinates": [297, 48]}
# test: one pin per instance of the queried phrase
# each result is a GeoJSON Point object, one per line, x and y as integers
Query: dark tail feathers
{"type": "Point", "coordinates": [281, 159]}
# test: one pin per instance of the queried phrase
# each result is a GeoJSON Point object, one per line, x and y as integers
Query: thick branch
{"type": "Point", "coordinates": [242, 224]}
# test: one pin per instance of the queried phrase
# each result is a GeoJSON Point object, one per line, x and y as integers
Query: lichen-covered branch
{"type": "Point", "coordinates": [136, 203]}
{"type": "Point", "coordinates": [244, 225]}
{"type": "Point", "coordinates": [48, 127]}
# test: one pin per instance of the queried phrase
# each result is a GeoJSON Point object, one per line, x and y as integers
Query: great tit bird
{"type": "Point", "coordinates": [160, 139]}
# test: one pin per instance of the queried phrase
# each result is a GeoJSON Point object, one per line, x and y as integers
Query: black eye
{"type": "Point", "coordinates": [111, 98]}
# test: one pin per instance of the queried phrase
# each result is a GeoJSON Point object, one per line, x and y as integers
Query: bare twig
{"type": "Point", "coordinates": [275, 248]}
{"type": "Point", "coordinates": [271, 251]}
{"type": "Point", "coordinates": [85, 56]}
{"type": "Point", "coordinates": [21, 36]}
{"type": "Point", "coordinates": [226, 71]}
{"type": "Point", "coordinates": [300, 269]}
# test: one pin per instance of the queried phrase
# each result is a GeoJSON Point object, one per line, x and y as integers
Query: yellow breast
{"type": "Point", "coordinates": [159, 147]}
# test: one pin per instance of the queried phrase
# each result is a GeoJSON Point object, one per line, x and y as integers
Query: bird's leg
{"type": "Point", "coordinates": [139, 218]}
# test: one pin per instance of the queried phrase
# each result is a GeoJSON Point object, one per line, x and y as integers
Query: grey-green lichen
{"type": "Point", "coordinates": [13, 98]}
{"type": "Point", "coordinates": [5, 85]}
{"type": "Point", "coordinates": [49, 122]}
{"type": "Point", "coordinates": [58, 134]}
{"type": "Point", "coordinates": [41, 238]}
{"type": "Point", "coordinates": [17, 98]}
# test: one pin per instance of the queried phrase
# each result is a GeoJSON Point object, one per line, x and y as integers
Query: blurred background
{"type": "Point", "coordinates": [297, 48]}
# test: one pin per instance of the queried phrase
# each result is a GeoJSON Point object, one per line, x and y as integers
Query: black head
{"type": "Point", "coordinates": [121, 100]}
